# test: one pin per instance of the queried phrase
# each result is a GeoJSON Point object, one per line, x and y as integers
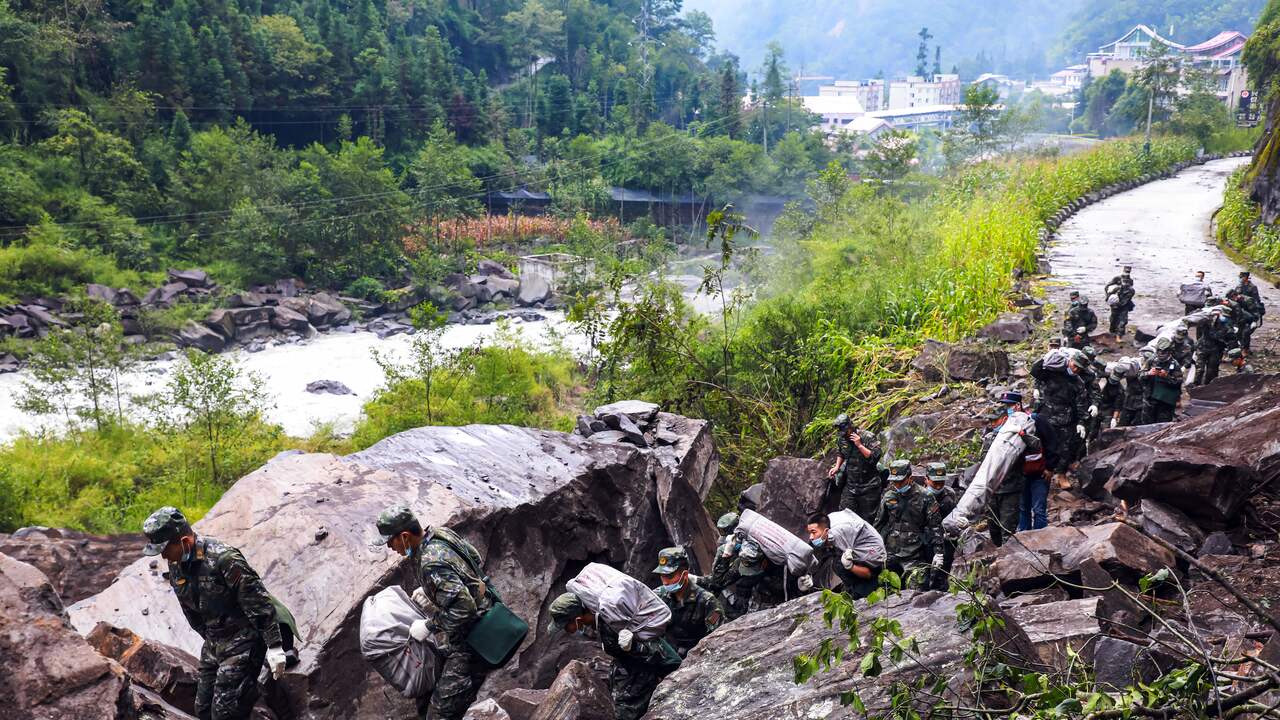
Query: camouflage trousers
{"type": "Point", "coordinates": [1003, 513]}
{"type": "Point", "coordinates": [460, 679]}
{"type": "Point", "coordinates": [864, 500]}
{"type": "Point", "coordinates": [227, 678]}
{"type": "Point", "coordinates": [631, 688]}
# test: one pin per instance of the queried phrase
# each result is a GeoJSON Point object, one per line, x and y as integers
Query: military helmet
{"type": "Point", "coordinates": [900, 468]}
{"type": "Point", "coordinates": [671, 561]}
{"type": "Point", "coordinates": [163, 527]}
{"type": "Point", "coordinates": [1075, 294]}
{"type": "Point", "coordinates": [727, 522]}
{"type": "Point", "coordinates": [842, 422]}
{"type": "Point", "coordinates": [750, 559]}
{"type": "Point", "coordinates": [564, 608]}
{"type": "Point", "coordinates": [1180, 330]}
{"type": "Point", "coordinates": [937, 469]}
{"type": "Point", "coordinates": [396, 519]}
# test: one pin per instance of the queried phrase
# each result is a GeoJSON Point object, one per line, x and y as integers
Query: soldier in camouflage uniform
{"type": "Point", "coordinates": [226, 603]}
{"type": "Point", "coordinates": [726, 554]}
{"type": "Point", "coordinates": [910, 522]}
{"type": "Point", "coordinates": [1250, 301]}
{"type": "Point", "coordinates": [855, 474]}
{"type": "Point", "coordinates": [1161, 384]}
{"type": "Point", "coordinates": [751, 581]}
{"type": "Point", "coordinates": [638, 665]}
{"type": "Point", "coordinates": [1184, 348]}
{"type": "Point", "coordinates": [1005, 506]}
{"type": "Point", "coordinates": [457, 597]}
{"type": "Point", "coordinates": [1065, 404]}
{"type": "Point", "coordinates": [935, 483]}
{"type": "Point", "coordinates": [1216, 337]}
{"type": "Point", "coordinates": [1122, 287]}
{"type": "Point", "coordinates": [1079, 322]}
{"type": "Point", "coordinates": [695, 611]}
{"type": "Point", "coordinates": [857, 566]}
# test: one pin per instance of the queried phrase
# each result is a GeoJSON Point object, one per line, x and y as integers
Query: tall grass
{"type": "Point", "coordinates": [1240, 226]}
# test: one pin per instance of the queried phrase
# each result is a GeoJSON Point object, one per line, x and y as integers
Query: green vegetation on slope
{"type": "Point", "coordinates": [1240, 227]}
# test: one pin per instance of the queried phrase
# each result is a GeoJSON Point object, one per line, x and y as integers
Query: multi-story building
{"type": "Point", "coordinates": [1219, 55]}
{"type": "Point", "coordinates": [917, 91]}
{"type": "Point", "coordinates": [870, 92]}
{"type": "Point", "coordinates": [838, 112]}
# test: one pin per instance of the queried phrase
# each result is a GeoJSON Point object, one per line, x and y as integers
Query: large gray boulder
{"type": "Point", "coordinates": [537, 504]}
{"type": "Point", "coordinates": [533, 289]}
{"type": "Point", "coordinates": [1035, 559]}
{"type": "Point", "coordinates": [793, 489]}
{"type": "Point", "coordinates": [743, 671]}
{"type": "Point", "coordinates": [1206, 466]}
{"type": "Point", "coordinates": [201, 338]}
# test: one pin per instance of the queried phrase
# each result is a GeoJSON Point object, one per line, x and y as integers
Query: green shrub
{"type": "Point", "coordinates": [365, 288]}
{"type": "Point", "coordinates": [43, 267]}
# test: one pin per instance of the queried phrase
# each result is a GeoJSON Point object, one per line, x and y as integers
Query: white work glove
{"type": "Point", "coordinates": [846, 559]}
{"type": "Point", "coordinates": [419, 630]}
{"type": "Point", "coordinates": [805, 583]}
{"type": "Point", "coordinates": [625, 639]}
{"type": "Point", "coordinates": [1115, 421]}
{"type": "Point", "coordinates": [275, 661]}
{"type": "Point", "coordinates": [1093, 411]}
{"type": "Point", "coordinates": [1080, 431]}
{"type": "Point", "coordinates": [726, 550]}
{"type": "Point", "coordinates": [1036, 394]}
{"type": "Point", "coordinates": [937, 560]}
{"type": "Point", "coordinates": [1082, 330]}
{"type": "Point", "coordinates": [420, 598]}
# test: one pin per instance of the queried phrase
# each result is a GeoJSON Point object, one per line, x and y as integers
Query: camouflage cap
{"type": "Point", "coordinates": [937, 469]}
{"type": "Point", "coordinates": [750, 559]}
{"type": "Point", "coordinates": [396, 519]}
{"type": "Point", "coordinates": [671, 561]}
{"type": "Point", "coordinates": [727, 522]}
{"type": "Point", "coordinates": [564, 608]}
{"type": "Point", "coordinates": [163, 527]}
{"type": "Point", "coordinates": [1091, 352]}
{"type": "Point", "coordinates": [842, 422]}
{"type": "Point", "coordinates": [900, 468]}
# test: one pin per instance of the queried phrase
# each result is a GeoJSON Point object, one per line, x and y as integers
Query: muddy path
{"type": "Point", "coordinates": [1163, 230]}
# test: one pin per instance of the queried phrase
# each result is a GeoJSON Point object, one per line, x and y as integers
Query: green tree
{"type": "Point", "coordinates": [922, 53]}
{"type": "Point", "coordinates": [442, 182]}
{"type": "Point", "coordinates": [892, 157]}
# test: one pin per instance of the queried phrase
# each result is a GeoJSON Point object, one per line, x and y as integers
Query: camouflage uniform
{"type": "Point", "coordinates": [1131, 407]}
{"type": "Point", "coordinates": [947, 498]}
{"type": "Point", "coordinates": [910, 522]}
{"type": "Point", "coordinates": [1249, 309]}
{"type": "Point", "coordinates": [1079, 316]}
{"type": "Point", "coordinates": [1110, 402]}
{"type": "Point", "coordinates": [1004, 509]}
{"type": "Point", "coordinates": [1160, 394]}
{"type": "Point", "coordinates": [462, 599]}
{"type": "Point", "coordinates": [635, 673]}
{"type": "Point", "coordinates": [859, 478]}
{"type": "Point", "coordinates": [1215, 338]}
{"type": "Point", "coordinates": [1120, 311]}
{"type": "Point", "coordinates": [1065, 404]}
{"type": "Point", "coordinates": [226, 603]}
{"type": "Point", "coordinates": [694, 615]}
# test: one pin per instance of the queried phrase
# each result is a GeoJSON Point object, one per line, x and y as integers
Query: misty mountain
{"type": "Point", "coordinates": [860, 38]}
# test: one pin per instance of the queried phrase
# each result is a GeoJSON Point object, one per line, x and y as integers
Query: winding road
{"type": "Point", "coordinates": [1162, 229]}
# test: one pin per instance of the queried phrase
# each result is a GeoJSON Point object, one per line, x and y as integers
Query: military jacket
{"type": "Point", "coordinates": [1164, 389]}
{"type": "Point", "coordinates": [694, 617]}
{"type": "Point", "coordinates": [857, 471]}
{"type": "Point", "coordinates": [656, 655]}
{"type": "Point", "coordinates": [1077, 317]}
{"type": "Point", "coordinates": [1217, 335]}
{"type": "Point", "coordinates": [460, 595]}
{"type": "Point", "coordinates": [1250, 291]}
{"type": "Point", "coordinates": [910, 523]}
{"type": "Point", "coordinates": [221, 595]}
{"type": "Point", "coordinates": [1065, 399]}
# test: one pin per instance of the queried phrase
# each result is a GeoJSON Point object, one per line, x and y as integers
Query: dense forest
{"type": "Point", "coordinates": [264, 139]}
{"type": "Point", "coordinates": [1022, 38]}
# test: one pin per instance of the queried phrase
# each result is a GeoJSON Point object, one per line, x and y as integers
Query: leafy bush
{"type": "Point", "coordinates": [43, 267]}
{"type": "Point", "coordinates": [365, 287]}
{"type": "Point", "coordinates": [1239, 226]}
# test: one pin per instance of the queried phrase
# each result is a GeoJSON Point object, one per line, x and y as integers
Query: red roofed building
{"type": "Point", "coordinates": [1219, 55]}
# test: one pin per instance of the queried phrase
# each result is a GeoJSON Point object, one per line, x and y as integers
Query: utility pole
{"type": "Point", "coordinates": [1151, 102]}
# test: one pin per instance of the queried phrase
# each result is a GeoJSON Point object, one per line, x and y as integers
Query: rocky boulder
{"type": "Point", "coordinates": [283, 318]}
{"type": "Point", "coordinates": [1035, 559]}
{"type": "Point", "coordinates": [1056, 628]}
{"type": "Point", "coordinates": [537, 504]}
{"type": "Point", "coordinates": [1206, 466]}
{"type": "Point", "coordinates": [493, 268]}
{"type": "Point", "coordinates": [963, 363]}
{"type": "Point", "coordinates": [743, 671]}
{"type": "Point", "coordinates": [201, 338]}
{"type": "Point", "coordinates": [578, 693]}
{"type": "Point", "coordinates": [1009, 328]}
{"type": "Point", "coordinates": [533, 290]}
{"type": "Point", "coordinates": [191, 278]}
{"type": "Point", "coordinates": [50, 672]}
{"type": "Point", "coordinates": [332, 387]}
{"type": "Point", "coordinates": [76, 564]}
{"type": "Point", "coordinates": [166, 671]}
{"type": "Point", "coordinates": [793, 489]}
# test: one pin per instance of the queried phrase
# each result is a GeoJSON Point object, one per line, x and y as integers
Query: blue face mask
{"type": "Point", "coordinates": [188, 554]}
{"type": "Point", "coordinates": [673, 588]}
{"type": "Point", "coordinates": [1010, 410]}
{"type": "Point", "coordinates": [929, 489]}
{"type": "Point", "coordinates": [906, 488]}
{"type": "Point", "coordinates": [818, 542]}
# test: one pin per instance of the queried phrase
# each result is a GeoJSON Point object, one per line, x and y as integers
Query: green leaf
{"type": "Point", "coordinates": [870, 665]}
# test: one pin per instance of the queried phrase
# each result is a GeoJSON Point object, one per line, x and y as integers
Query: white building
{"type": "Point", "coordinates": [924, 116]}
{"type": "Point", "coordinates": [870, 92]}
{"type": "Point", "coordinates": [837, 111]}
{"type": "Point", "coordinates": [917, 91]}
{"type": "Point", "coordinates": [1219, 55]}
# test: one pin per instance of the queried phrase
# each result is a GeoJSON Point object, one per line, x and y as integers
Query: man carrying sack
{"type": "Point", "coordinates": [479, 633]}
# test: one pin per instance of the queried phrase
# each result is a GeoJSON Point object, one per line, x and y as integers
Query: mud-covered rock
{"type": "Point", "coordinates": [1036, 558]}
{"type": "Point", "coordinates": [1120, 664]}
{"type": "Point", "coordinates": [578, 693]}
{"type": "Point", "coordinates": [1057, 628]}
{"type": "Point", "coordinates": [77, 564]}
{"type": "Point", "coordinates": [537, 504]}
{"type": "Point", "coordinates": [794, 488]}
{"type": "Point", "coordinates": [965, 363]}
{"type": "Point", "coordinates": [1009, 327]}
{"type": "Point", "coordinates": [50, 672]}
{"type": "Point", "coordinates": [522, 703]}
{"type": "Point", "coordinates": [166, 671]}
{"type": "Point", "coordinates": [1171, 524]}
{"type": "Point", "coordinates": [743, 671]}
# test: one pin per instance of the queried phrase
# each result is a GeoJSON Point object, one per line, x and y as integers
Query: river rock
{"type": "Point", "coordinates": [200, 337]}
{"type": "Point", "coordinates": [1171, 524]}
{"type": "Point", "coordinates": [1206, 466]}
{"type": "Point", "coordinates": [332, 387]}
{"type": "Point", "coordinates": [170, 292]}
{"type": "Point", "coordinates": [76, 564]}
{"type": "Point", "coordinates": [321, 309]}
{"type": "Point", "coordinates": [1055, 627]}
{"type": "Point", "coordinates": [191, 278]}
{"type": "Point", "coordinates": [126, 299]}
{"type": "Point", "coordinates": [50, 672]}
{"type": "Point", "coordinates": [640, 412]}
{"type": "Point", "coordinates": [743, 671]}
{"type": "Point", "coordinates": [245, 316]}
{"type": "Point", "coordinates": [166, 671]}
{"type": "Point", "coordinates": [1009, 327]}
{"type": "Point", "coordinates": [249, 299]}
{"type": "Point", "coordinates": [1120, 664]}
{"type": "Point", "coordinates": [9, 363]}
{"type": "Point", "coordinates": [223, 322]}
{"type": "Point", "coordinates": [494, 269]}
{"type": "Point", "coordinates": [793, 489]}
{"type": "Point", "coordinates": [100, 292]}
{"type": "Point", "coordinates": [486, 710]}
{"type": "Point", "coordinates": [537, 504]}
{"type": "Point", "coordinates": [578, 693]}
{"type": "Point", "coordinates": [283, 318]}
{"type": "Point", "coordinates": [502, 287]}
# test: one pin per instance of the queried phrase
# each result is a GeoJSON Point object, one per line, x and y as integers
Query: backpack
{"type": "Point", "coordinates": [621, 601]}
{"type": "Point", "coordinates": [779, 545]}
{"type": "Point", "coordinates": [409, 666]}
